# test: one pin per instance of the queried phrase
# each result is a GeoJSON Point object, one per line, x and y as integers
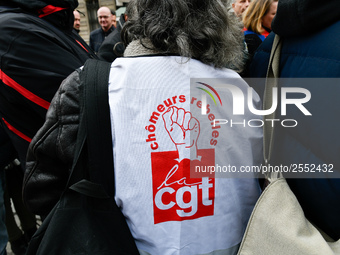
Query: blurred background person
{"type": "Point", "coordinates": [257, 21]}
{"type": "Point", "coordinates": [37, 52]}
{"type": "Point", "coordinates": [239, 6]}
{"type": "Point", "coordinates": [76, 24]}
{"type": "Point", "coordinates": [114, 18]}
{"type": "Point", "coordinates": [310, 36]}
{"type": "Point", "coordinates": [98, 35]}
{"type": "Point", "coordinates": [113, 46]}
{"type": "Point", "coordinates": [38, 49]}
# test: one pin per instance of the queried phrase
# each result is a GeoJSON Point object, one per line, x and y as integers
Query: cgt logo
{"type": "Point", "coordinates": [177, 196]}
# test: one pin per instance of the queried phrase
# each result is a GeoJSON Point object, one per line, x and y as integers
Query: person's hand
{"type": "Point", "coordinates": [182, 128]}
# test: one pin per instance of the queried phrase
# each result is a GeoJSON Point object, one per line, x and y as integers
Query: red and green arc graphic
{"type": "Point", "coordinates": [209, 93]}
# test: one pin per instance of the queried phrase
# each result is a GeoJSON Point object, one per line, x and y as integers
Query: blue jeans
{"type": "Point", "coordinates": [3, 230]}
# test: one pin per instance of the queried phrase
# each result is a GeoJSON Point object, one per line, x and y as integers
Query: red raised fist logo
{"type": "Point", "coordinates": [183, 130]}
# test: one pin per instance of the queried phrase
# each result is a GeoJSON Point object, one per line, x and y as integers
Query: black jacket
{"type": "Point", "coordinates": [7, 151]}
{"type": "Point", "coordinates": [55, 140]}
{"type": "Point", "coordinates": [310, 33]}
{"type": "Point", "coordinates": [37, 51]}
{"type": "Point", "coordinates": [113, 47]}
{"type": "Point", "coordinates": [97, 37]}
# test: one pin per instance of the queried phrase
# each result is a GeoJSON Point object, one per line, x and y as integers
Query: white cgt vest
{"type": "Point", "coordinates": [175, 143]}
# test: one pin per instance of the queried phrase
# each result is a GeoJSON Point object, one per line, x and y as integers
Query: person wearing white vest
{"type": "Point", "coordinates": [183, 129]}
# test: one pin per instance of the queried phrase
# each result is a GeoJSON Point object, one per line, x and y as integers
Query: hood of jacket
{"type": "Point", "coordinates": [57, 12]}
{"type": "Point", "coordinates": [39, 4]}
{"type": "Point", "coordinates": [301, 17]}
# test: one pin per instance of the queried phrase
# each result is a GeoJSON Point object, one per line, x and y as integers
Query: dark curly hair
{"type": "Point", "coordinates": [200, 29]}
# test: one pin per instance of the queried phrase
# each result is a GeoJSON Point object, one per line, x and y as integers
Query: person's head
{"type": "Point", "coordinates": [105, 18]}
{"type": "Point", "coordinates": [199, 29]}
{"type": "Point", "coordinates": [259, 15]}
{"type": "Point", "coordinates": [240, 6]}
{"type": "Point", "coordinates": [269, 16]}
{"type": "Point", "coordinates": [114, 18]}
{"type": "Point", "coordinates": [76, 24]}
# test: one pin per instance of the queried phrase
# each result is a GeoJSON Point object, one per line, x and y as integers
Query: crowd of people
{"type": "Point", "coordinates": [157, 48]}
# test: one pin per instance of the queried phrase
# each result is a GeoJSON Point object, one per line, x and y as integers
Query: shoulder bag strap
{"type": "Point", "coordinates": [98, 124]}
{"type": "Point", "coordinates": [271, 83]}
{"type": "Point", "coordinates": [94, 142]}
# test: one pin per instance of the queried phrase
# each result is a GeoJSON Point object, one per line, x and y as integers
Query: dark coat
{"type": "Point", "coordinates": [310, 49]}
{"type": "Point", "coordinates": [98, 36]}
{"type": "Point", "coordinates": [62, 120]}
{"type": "Point", "coordinates": [7, 151]}
{"type": "Point", "coordinates": [113, 47]}
{"type": "Point", "coordinates": [37, 51]}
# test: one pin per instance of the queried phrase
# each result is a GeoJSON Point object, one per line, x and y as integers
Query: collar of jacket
{"type": "Point", "coordinates": [34, 5]}
{"type": "Point", "coordinates": [144, 47]}
{"type": "Point", "coordinates": [57, 12]}
{"type": "Point", "coordinates": [111, 29]}
{"type": "Point", "coordinates": [140, 48]}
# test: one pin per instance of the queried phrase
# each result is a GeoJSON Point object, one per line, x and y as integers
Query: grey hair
{"type": "Point", "coordinates": [201, 29]}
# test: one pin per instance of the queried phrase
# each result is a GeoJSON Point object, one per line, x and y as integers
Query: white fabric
{"type": "Point", "coordinates": [284, 228]}
{"type": "Point", "coordinates": [167, 212]}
